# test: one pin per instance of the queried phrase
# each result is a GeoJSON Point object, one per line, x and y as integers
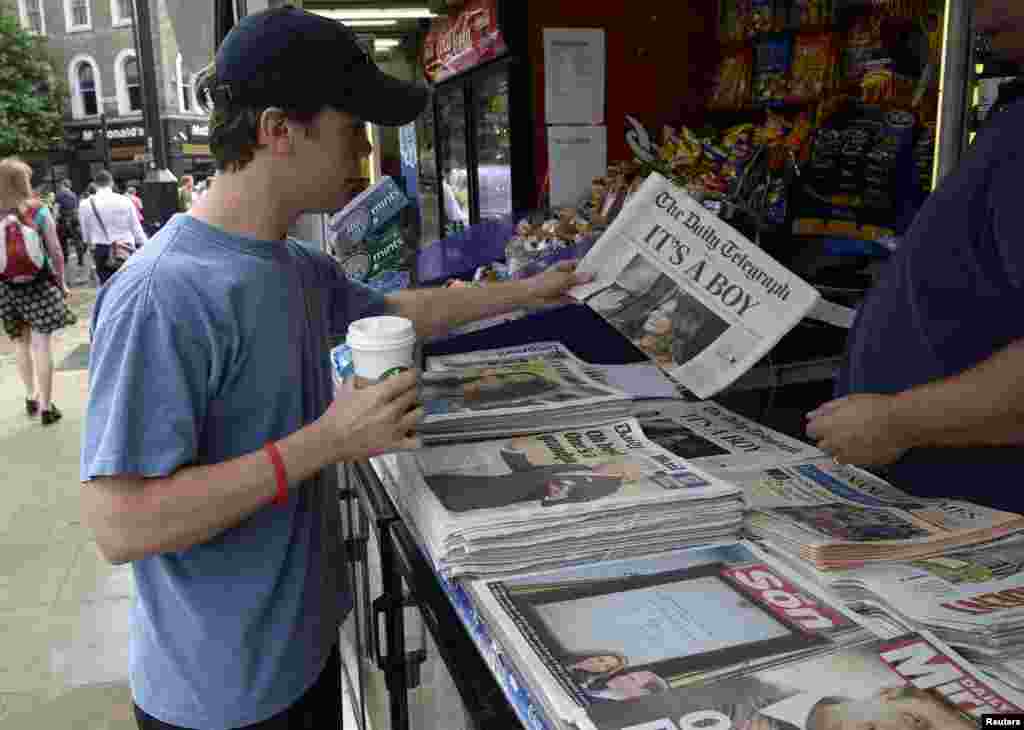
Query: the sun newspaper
{"type": "Point", "coordinates": [719, 637]}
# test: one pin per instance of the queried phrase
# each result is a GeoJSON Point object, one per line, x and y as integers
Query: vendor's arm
{"type": "Point", "coordinates": [434, 311]}
{"type": "Point", "coordinates": [982, 406]}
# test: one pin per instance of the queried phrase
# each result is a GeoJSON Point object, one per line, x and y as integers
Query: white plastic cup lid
{"type": "Point", "coordinates": [380, 333]}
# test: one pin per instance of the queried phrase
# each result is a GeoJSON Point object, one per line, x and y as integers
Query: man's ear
{"type": "Point", "coordinates": [274, 131]}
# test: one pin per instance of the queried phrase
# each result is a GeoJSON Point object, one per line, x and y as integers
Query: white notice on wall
{"type": "Point", "coordinates": [576, 155]}
{"type": "Point", "coordinates": [574, 75]}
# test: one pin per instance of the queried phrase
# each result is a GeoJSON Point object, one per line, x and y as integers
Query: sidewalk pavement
{"type": "Point", "coordinates": [64, 611]}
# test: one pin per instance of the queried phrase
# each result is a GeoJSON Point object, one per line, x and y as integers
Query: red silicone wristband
{"type": "Point", "coordinates": [282, 476]}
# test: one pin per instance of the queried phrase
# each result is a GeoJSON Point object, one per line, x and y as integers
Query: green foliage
{"type": "Point", "coordinates": [30, 92]}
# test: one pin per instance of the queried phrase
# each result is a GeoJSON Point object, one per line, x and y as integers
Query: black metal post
{"type": "Point", "coordinates": [105, 141]}
{"type": "Point", "coordinates": [150, 97]}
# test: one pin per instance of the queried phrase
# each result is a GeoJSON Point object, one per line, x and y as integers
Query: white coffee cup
{"type": "Point", "coordinates": [381, 346]}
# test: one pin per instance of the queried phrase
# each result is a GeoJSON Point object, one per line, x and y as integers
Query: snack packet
{"type": "Point", "coordinates": [731, 89]}
{"type": "Point", "coordinates": [813, 68]}
{"type": "Point", "coordinates": [773, 55]}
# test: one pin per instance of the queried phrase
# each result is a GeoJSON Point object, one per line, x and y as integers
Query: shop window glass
{"type": "Point", "coordinates": [133, 85]}
{"type": "Point", "coordinates": [87, 89]}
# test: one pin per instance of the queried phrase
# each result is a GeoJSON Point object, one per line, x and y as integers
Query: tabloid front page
{"type": "Point", "coordinates": [689, 290]}
{"type": "Point", "coordinates": [720, 637]}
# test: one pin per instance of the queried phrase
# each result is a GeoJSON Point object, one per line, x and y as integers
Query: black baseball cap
{"type": "Point", "coordinates": [294, 59]}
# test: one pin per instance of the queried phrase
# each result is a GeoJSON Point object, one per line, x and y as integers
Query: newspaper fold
{"type": "Point", "coordinates": [689, 290]}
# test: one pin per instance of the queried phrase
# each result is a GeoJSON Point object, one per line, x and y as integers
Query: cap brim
{"type": "Point", "coordinates": [385, 100]}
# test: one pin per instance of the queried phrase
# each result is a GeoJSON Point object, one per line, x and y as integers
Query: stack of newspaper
{"type": "Point", "coordinates": [971, 598]}
{"type": "Point", "coordinates": [838, 516]}
{"type": "Point", "coordinates": [720, 637]}
{"type": "Point", "coordinates": [561, 498]}
{"type": "Point", "coordinates": [489, 399]}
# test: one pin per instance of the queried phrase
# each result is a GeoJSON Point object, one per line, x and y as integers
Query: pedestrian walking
{"type": "Point", "coordinates": [69, 229]}
{"type": "Point", "coordinates": [110, 223]}
{"type": "Point", "coordinates": [33, 291]}
{"type": "Point", "coordinates": [133, 194]}
{"type": "Point", "coordinates": [186, 193]}
{"type": "Point", "coordinates": [212, 433]}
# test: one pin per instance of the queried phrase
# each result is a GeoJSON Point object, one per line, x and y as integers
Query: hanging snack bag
{"type": "Point", "coordinates": [368, 239]}
{"type": "Point", "coordinates": [813, 69]}
{"type": "Point", "coordinates": [731, 89]}
{"type": "Point", "coordinates": [772, 58]}
{"type": "Point", "coordinates": [810, 12]}
{"type": "Point", "coordinates": [755, 17]}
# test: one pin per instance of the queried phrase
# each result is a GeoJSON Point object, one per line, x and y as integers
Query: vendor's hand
{"type": "Point", "coordinates": [860, 429]}
{"type": "Point", "coordinates": [551, 286]}
{"type": "Point", "coordinates": [375, 419]}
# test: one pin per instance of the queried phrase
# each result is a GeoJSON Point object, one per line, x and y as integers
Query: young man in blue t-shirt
{"type": "Point", "coordinates": [212, 429]}
{"type": "Point", "coordinates": [933, 382]}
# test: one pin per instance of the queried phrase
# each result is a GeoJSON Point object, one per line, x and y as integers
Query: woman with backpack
{"type": "Point", "coordinates": [32, 285]}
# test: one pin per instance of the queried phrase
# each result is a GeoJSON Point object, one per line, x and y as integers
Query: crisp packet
{"type": "Point", "coordinates": [731, 89]}
{"type": "Point", "coordinates": [773, 55]}
{"type": "Point", "coordinates": [813, 68]}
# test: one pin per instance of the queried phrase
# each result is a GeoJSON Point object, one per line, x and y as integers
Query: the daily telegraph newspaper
{"type": "Point", "coordinates": [721, 637]}
{"type": "Point", "coordinates": [972, 597]}
{"type": "Point", "coordinates": [641, 381]}
{"type": "Point", "coordinates": [719, 441]}
{"type": "Point", "coordinates": [838, 516]}
{"type": "Point", "coordinates": [553, 499]}
{"type": "Point", "coordinates": [689, 290]}
{"type": "Point", "coordinates": [521, 396]}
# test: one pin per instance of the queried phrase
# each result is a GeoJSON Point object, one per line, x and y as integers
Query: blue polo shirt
{"type": "Point", "coordinates": [951, 297]}
{"type": "Point", "coordinates": [205, 346]}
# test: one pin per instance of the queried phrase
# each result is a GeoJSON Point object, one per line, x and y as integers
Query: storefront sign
{"type": "Point", "coordinates": [461, 42]}
{"type": "Point", "coordinates": [116, 134]}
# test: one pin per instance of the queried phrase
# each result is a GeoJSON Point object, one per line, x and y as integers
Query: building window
{"type": "Point", "coordinates": [133, 84]}
{"type": "Point", "coordinates": [32, 18]}
{"type": "Point", "coordinates": [129, 82]}
{"type": "Point", "coordinates": [78, 15]}
{"type": "Point", "coordinates": [122, 11]}
{"type": "Point", "coordinates": [186, 87]}
{"type": "Point", "coordinates": [86, 87]}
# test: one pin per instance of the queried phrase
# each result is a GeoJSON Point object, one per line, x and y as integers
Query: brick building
{"type": "Point", "coordinates": [93, 46]}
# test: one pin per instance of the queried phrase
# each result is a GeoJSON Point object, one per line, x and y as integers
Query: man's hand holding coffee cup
{"type": "Point", "coordinates": [375, 418]}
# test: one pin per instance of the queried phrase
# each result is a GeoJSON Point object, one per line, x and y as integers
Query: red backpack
{"type": "Point", "coordinates": [23, 255]}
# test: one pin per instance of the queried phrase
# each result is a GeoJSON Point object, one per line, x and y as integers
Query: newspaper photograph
{"type": "Point", "coordinates": [719, 441]}
{"type": "Point", "coordinates": [690, 291]}
{"type": "Point", "coordinates": [609, 644]}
